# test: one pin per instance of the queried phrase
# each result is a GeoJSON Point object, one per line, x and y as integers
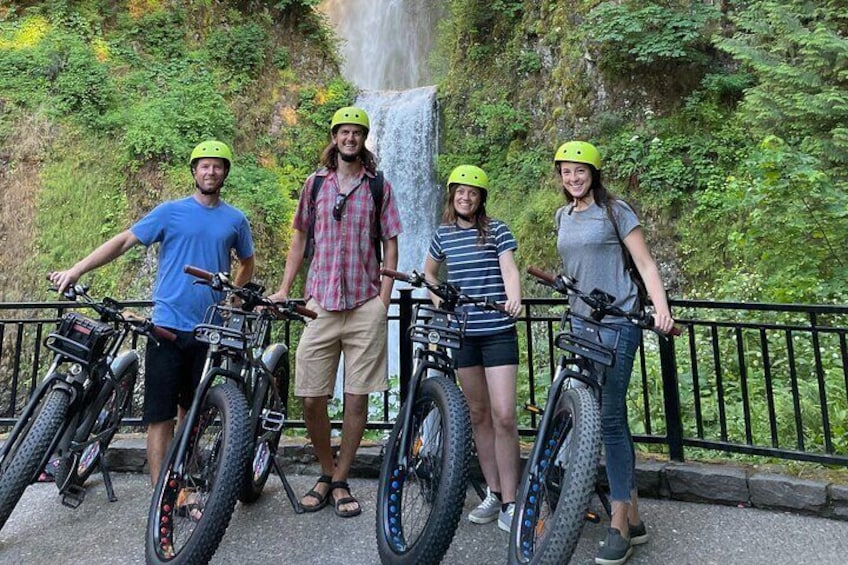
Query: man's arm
{"type": "Point", "coordinates": [245, 272]}
{"type": "Point", "coordinates": [294, 259]}
{"type": "Point", "coordinates": [390, 261]}
{"type": "Point", "coordinates": [106, 253]}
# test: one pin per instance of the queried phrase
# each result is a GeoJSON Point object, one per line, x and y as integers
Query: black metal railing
{"type": "Point", "coordinates": [755, 379]}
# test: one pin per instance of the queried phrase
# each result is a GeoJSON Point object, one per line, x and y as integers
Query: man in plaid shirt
{"type": "Point", "coordinates": [344, 287]}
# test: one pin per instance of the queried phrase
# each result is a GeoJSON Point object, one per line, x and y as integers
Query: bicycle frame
{"type": "Point", "coordinates": [438, 336]}
{"type": "Point", "coordinates": [589, 357]}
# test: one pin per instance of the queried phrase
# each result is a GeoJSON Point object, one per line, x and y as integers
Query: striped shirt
{"type": "Point", "coordinates": [344, 272]}
{"type": "Point", "coordinates": [475, 269]}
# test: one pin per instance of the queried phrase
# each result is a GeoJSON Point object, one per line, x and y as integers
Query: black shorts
{"type": "Point", "coordinates": [488, 350]}
{"type": "Point", "coordinates": [171, 374]}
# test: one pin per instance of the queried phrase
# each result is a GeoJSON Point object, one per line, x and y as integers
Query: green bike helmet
{"type": "Point", "coordinates": [469, 175]}
{"type": "Point", "coordinates": [211, 148]}
{"type": "Point", "coordinates": [579, 152]}
{"type": "Point", "coordinates": [350, 115]}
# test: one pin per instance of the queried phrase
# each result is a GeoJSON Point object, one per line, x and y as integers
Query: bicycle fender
{"type": "Point", "coordinates": [272, 355]}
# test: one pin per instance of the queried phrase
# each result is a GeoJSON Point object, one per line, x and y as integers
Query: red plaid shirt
{"type": "Point", "coordinates": [344, 272]}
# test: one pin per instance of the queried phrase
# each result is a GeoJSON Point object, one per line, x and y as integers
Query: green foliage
{"type": "Point", "coordinates": [82, 204]}
{"type": "Point", "coordinates": [43, 65]}
{"type": "Point", "coordinates": [799, 55]}
{"type": "Point", "coordinates": [633, 35]}
{"type": "Point", "coordinates": [158, 33]}
{"type": "Point", "coordinates": [785, 224]}
{"type": "Point", "coordinates": [239, 48]}
{"type": "Point", "coordinates": [168, 123]}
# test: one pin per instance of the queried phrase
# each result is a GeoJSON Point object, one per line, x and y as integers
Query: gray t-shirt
{"type": "Point", "coordinates": [591, 252]}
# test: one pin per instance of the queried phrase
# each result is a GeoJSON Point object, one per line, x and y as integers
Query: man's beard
{"type": "Point", "coordinates": [348, 158]}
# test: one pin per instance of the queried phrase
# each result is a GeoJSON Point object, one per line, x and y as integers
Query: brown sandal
{"type": "Point", "coordinates": [345, 500]}
{"type": "Point", "coordinates": [322, 500]}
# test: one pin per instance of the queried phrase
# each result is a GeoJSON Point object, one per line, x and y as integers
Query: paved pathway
{"type": "Point", "coordinates": [42, 531]}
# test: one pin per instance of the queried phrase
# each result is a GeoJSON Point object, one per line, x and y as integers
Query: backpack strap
{"type": "Point", "coordinates": [309, 250]}
{"type": "Point", "coordinates": [376, 185]}
{"type": "Point", "coordinates": [629, 264]}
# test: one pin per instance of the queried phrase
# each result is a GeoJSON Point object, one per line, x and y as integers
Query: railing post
{"type": "Point", "coordinates": [404, 342]}
{"type": "Point", "coordinates": [671, 395]}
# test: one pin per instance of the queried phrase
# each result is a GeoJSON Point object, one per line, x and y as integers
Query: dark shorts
{"type": "Point", "coordinates": [488, 350]}
{"type": "Point", "coordinates": [172, 372]}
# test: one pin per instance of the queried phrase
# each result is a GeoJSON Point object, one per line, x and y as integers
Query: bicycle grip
{"type": "Point", "coordinates": [543, 275]}
{"type": "Point", "coordinates": [198, 272]}
{"type": "Point", "coordinates": [305, 312]}
{"type": "Point", "coordinates": [164, 334]}
{"type": "Point", "coordinates": [649, 322]}
{"type": "Point", "coordinates": [395, 274]}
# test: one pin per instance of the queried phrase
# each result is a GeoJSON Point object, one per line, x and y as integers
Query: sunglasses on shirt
{"type": "Point", "coordinates": [339, 206]}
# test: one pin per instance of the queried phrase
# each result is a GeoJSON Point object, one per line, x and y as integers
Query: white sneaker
{"type": "Point", "coordinates": [505, 517]}
{"type": "Point", "coordinates": [487, 511]}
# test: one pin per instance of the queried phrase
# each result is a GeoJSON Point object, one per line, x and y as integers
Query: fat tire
{"type": "Point", "coordinates": [24, 460]}
{"type": "Point", "coordinates": [255, 478]}
{"type": "Point", "coordinates": [558, 482]}
{"type": "Point", "coordinates": [442, 503]}
{"type": "Point", "coordinates": [229, 456]}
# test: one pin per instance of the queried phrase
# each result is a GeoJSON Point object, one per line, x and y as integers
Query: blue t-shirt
{"type": "Point", "coordinates": [189, 233]}
{"type": "Point", "coordinates": [475, 269]}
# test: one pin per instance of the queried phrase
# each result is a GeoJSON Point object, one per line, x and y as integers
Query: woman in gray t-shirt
{"type": "Point", "coordinates": [591, 252]}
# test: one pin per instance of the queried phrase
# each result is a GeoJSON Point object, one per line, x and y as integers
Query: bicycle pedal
{"type": "Point", "coordinates": [273, 421]}
{"type": "Point", "coordinates": [534, 409]}
{"type": "Point", "coordinates": [73, 496]}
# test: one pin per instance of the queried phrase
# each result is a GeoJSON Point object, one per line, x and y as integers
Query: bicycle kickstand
{"type": "Point", "coordinates": [107, 477]}
{"type": "Point", "coordinates": [298, 509]}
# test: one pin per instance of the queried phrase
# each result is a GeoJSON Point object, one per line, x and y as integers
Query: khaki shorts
{"type": "Point", "coordinates": [359, 333]}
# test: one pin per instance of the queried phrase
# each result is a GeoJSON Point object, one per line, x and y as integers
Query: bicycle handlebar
{"type": "Point", "coordinates": [252, 297]}
{"type": "Point", "coordinates": [449, 293]}
{"type": "Point", "coordinates": [598, 300]}
{"type": "Point", "coordinates": [113, 311]}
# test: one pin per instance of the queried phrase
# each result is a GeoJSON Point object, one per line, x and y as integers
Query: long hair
{"type": "Point", "coordinates": [330, 157]}
{"type": "Point", "coordinates": [481, 220]}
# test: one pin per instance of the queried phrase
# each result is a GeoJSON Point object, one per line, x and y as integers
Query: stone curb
{"type": "Point", "coordinates": [724, 484]}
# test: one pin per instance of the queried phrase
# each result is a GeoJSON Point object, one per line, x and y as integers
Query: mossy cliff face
{"type": "Point", "coordinates": [101, 104]}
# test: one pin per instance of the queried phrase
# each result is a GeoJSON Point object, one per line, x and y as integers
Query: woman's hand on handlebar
{"type": "Point", "coordinates": [513, 307]}
{"type": "Point", "coordinates": [664, 323]}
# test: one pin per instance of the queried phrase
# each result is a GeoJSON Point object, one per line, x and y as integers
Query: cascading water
{"type": "Point", "coordinates": [386, 45]}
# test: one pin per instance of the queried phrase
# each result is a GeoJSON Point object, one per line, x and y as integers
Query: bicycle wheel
{"type": "Point", "coordinates": [77, 467]}
{"type": "Point", "coordinates": [558, 482]}
{"type": "Point", "coordinates": [195, 496]}
{"type": "Point", "coordinates": [268, 415]}
{"type": "Point", "coordinates": [418, 508]}
{"type": "Point", "coordinates": [25, 458]}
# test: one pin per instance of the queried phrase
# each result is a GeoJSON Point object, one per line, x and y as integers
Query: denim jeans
{"type": "Point", "coordinates": [618, 444]}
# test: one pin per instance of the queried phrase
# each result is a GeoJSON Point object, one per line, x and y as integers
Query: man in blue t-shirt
{"type": "Point", "coordinates": [199, 230]}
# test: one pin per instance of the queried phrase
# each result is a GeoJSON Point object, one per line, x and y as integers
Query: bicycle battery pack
{"type": "Point", "coordinates": [80, 338]}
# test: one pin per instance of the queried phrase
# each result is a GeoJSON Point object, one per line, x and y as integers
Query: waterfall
{"type": "Point", "coordinates": [386, 45]}
{"type": "Point", "coordinates": [404, 127]}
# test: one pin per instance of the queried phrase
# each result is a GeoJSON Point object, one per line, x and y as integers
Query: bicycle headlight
{"type": "Point", "coordinates": [214, 338]}
{"type": "Point", "coordinates": [75, 369]}
{"type": "Point", "coordinates": [433, 337]}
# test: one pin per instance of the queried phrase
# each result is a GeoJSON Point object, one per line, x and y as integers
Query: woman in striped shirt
{"type": "Point", "coordinates": [478, 253]}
